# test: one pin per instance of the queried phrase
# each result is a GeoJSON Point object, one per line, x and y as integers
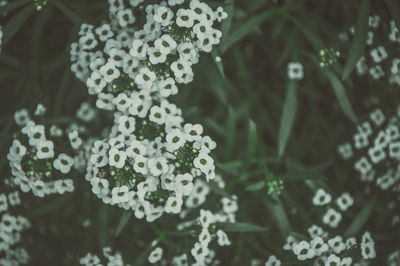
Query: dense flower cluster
{"type": "Point", "coordinates": [11, 228]}
{"type": "Point", "coordinates": [123, 56]}
{"type": "Point", "coordinates": [43, 157]}
{"type": "Point", "coordinates": [205, 230]}
{"type": "Point", "coordinates": [382, 58]}
{"type": "Point", "coordinates": [108, 258]}
{"type": "Point", "coordinates": [376, 149]}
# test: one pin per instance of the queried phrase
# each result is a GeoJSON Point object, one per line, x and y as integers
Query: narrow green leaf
{"type": "Point", "coordinates": [142, 258]}
{"type": "Point", "coordinates": [247, 27]}
{"type": "Point", "coordinates": [241, 227]}
{"type": "Point", "coordinates": [218, 62]}
{"type": "Point", "coordinates": [123, 222]}
{"type": "Point", "coordinates": [278, 212]}
{"type": "Point", "coordinates": [230, 167]}
{"type": "Point", "coordinates": [53, 205]}
{"type": "Point", "coordinates": [13, 5]}
{"type": "Point", "coordinates": [252, 140]}
{"type": "Point", "coordinates": [394, 9]}
{"type": "Point", "coordinates": [68, 12]}
{"type": "Point", "coordinates": [256, 186]}
{"type": "Point", "coordinates": [361, 219]}
{"type": "Point", "coordinates": [303, 175]}
{"type": "Point", "coordinates": [288, 115]}
{"type": "Point", "coordinates": [217, 189]}
{"type": "Point", "coordinates": [230, 130]}
{"type": "Point", "coordinates": [340, 92]}
{"type": "Point", "coordinates": [227, 23]}
{"type": "Point", "coordinates": [310, 35]}
{"type": "Point", "coordinates": [16, 23]}
{"type": "Point", "coordinates": [360, 39]}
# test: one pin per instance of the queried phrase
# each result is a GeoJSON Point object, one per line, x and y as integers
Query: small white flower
{"type": "Point", "coordinates": [223, 238]}
{"type": "Point", "coordinates": [332, 218]}
{"type": "Point", "coordinates": [63, 163]}
{"type": "Point", "coordinates": [184, 184]}
{"type": "Point", "coordinates": [45, 149]}
{"type": "Point", "coordinates": [120, 194]}
{"type": "Point", "coordinates": [345, 201]}
{"type": "Point", "coordinates": [155, 255]}
{"type": "Point", "coordinates": [116, 157]}
{"type": "Point", "coordinates": [126, 124]}
{"type": "Point", "coordinates": [321, 197]}
{"type": "Point", "coordinates": [173, 204]}
{"type": "Point", "coordinates": [109, 71]}
{"type": "Point", "coordinates": [184, 18]}
{"type": "Point", "coordinates": [158, 166]}
{"type": "Point", "coordinates": [295, 71]}
{"type": "Point", "coordinates": [303, 251]}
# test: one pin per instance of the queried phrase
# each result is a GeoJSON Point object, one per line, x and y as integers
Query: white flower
{"type": "Point", "coordinates": [120, 194]}
{"type": "Point", "coordinates": [184, 184]}
{"type": "Point", "coordinates": [145, 78]}
{"type": "Point", "coordinates": [63, 163]}
{"type": "Point", "coordinates": [193, 132]}
{"type": "Point", "coordinates": [318, 245]}
{"type": "Point", "coordinates": [40, 109]}
{"type": "Point", "coordinates": [273, 261]}
{"type": "Point", "coordinates": [223, 238]}
{"type": "Point", "coordinates": [184, 18]}
{"type": "Point", "coordinates": [337, 244]}
{"type": "Point", "coordinates": [96, 82]}
{"type": "Point", "coordinates": [74, 139]}
{"type": "Point", "coordinates": [295, 71]}
{"type": "Point", "coordinates": [163, 15]}
{"type": "Point", "coordinates": [155, 255]}
{"type": "Point", "coordinates": [379, 54]}
{"type": "Point", "coordinates": [116, 157]}
{"type": "Point", "coordinates": [21, 117]}
{"type": "Point", "coordinates": [140, 164]}
{"type": "Point", "coordinates": [99, 186]}
{"type": "Point", "coordinates": [45, 149]}
{"type": "Point", "coordinates": [157, 115]}
{"type": "Point", "coordinates": [199, 252]}
{"type": "Point", "coordinates": [220, 14]}
{"type": "Point", "coordinates": [158, 166]}
{"type": "Point", "coordinates": [136, 148]}
{"type": "Point", "coordinates": [109, 71]}
{"type": "Point", "coordinates": [36, 134]}
{"type": "Point", "coordinates": [303, 251]}
{"type": "Point", "coordinates": [175, 139]}
{"type": "Point", "coordinates": [332, 218]}
{"type": "Point", "coordinates": [345, 201]}
{"type": "Point", "coordinates": [165, 44]}
{"type": "Point", "coordinates": [321, 197]}
{"type": "Point", "coordinates": [3, 203]}
{"type": "Point", "coordinates": [204, 162]}
{"type": "Point", "coordinates": [173, 204]}
{"type": "Point", "coordinates": [139, 49]}
{"type": "Point", "coordinates": [126, 124]}
{"type": "Point", "coordinates": [64, 185]}
{"type": "Point", "coordinates": [206, 218]}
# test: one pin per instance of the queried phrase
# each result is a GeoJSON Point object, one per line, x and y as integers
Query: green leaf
{"type": "Point", "coordinates": [256, 186]}
{"type": "Point", "coordinates": [227, 23]}
{"type": "Point", "coordinates": [142, 258]}
{"type": "Point", "coordinates": [278, 212]}
{"type": "Point", "coordinates": [310, 35]}
{"type": "Point", "coordinates": [230, 167]}
{"type": "Point", "coordinates": [230, 130]}
{"type": "Point", "coordinates": [52, 206]}
{"type": "Point", "coordinates": [217, 189]}
{"type": "Point", "coordinates": [340, 92]}
{"type": "Point", "coordinates": [251, 140]}
{"type": "Point", "coordinates": [360, 39]}
{"type": "Point", "coordinates": [16, 23]}
{"type": "Point", "coordinates": [361, 219]}
{"type": "Point", "coordinates": [13, 5]}
{"type": "Point", "coordinates": [241, 227]}
{"type": "Point", "coordinates": [394, 9]}
{"type": "Point", "coordinates": [123, 222]}
{"type": "Point", "coordinates": [68, 12]}
{"type": "Point", "coordinates": [247, 27]}
{"type": "Point", "coordinates": [288, 115]}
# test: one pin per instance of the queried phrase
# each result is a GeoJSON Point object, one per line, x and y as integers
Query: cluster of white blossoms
{"type": "Point", "coordinates": [126, 55]}
{"type": "Point", "coordinates": [332, 216]}
{"type": "Point", "coordinates": [382, 59]}
{"type": "Point", "coordinates": [376, 150]}
{"type": "Point", "coordinates": [295, 71]}
{"type": "Point", "coordinates": [149, 162]}
{"type": "Point", "coordinates": [205, 230]}
{"type": "Point", "coordinates": [322, 249]}
{"type": "Point", "coordinates": [11, 228]}
{"type": "Point", "coordinates": [43, 157]}
{"type": "Point", "coordinates": [108, 257]}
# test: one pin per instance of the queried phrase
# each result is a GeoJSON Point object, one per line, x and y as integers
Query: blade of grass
{"type": "Point", "coordinates": [16, 23]}
{"type": "Point", "coordinates": [126, 215]}
{"type": "Point", "coordinates": [360, 39]}
{"type": "Point", "coordinates": [288, 116]}
{"type": "Point", "coordinates": [361, 219]}
{"type": "Point", "coordinates": [341, 94]}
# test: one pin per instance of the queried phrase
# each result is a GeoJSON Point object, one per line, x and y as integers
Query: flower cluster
{"type": "Point", "coordinates": [382, 40]}
{"type": "Point", "coordinates": [42, 157]}
{"type": "Point", "coordinates": [332, 216]}
{"type": "Point", "coordinates": [376, 148]}
{"type": "Point", "coordinates": [149, 162]}
{"type": "Point", "coordinates": [11, 227]}
{"type": "Point", "coordinates": [204, 229]}
{"type": "Point", "coordinates": [118, 58]}
{"type": "Point", "coordinates": [108, 258]}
